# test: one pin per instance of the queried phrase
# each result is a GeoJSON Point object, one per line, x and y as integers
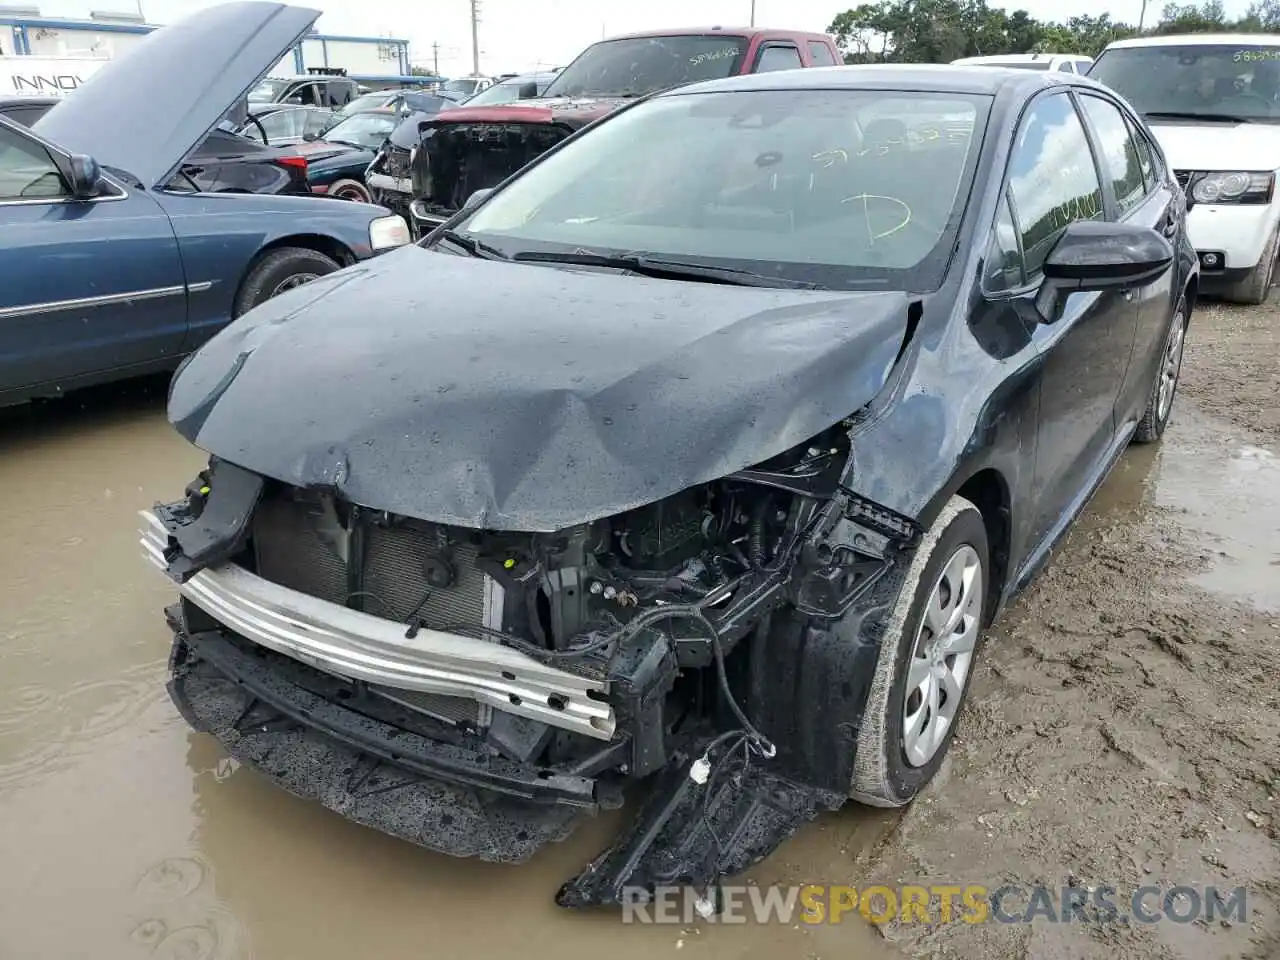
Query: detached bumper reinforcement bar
{"type": "Point", "coordinates": [359, 646]}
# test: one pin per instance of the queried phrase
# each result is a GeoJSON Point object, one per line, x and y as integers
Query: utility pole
{"type": "Point", "coordinates": [475, 38]}
{"type": "Point", "coordinates": [435, 59]}
{"type": "Point", "coordinates": [753, 14]}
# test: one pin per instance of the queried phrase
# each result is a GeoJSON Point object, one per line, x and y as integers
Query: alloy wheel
{"type": "Point", "coordinates": [1171, 366]}
{"type": "Point", "coordinates": [942, 655]}
{"type": "Point", "coordinates": [293, 281]}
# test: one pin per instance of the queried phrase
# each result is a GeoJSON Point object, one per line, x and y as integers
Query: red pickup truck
{"type": "Point", "coordinates": [462, 150]}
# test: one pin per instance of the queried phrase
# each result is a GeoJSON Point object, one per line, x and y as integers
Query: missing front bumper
{"type": "Point", "coordinates": [441, 796]}
{"type": "Point", "coordinates": [359, 646]}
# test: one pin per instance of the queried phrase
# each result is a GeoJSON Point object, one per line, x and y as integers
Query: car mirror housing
{"type": "Point", "coordinates": [527, 91]}
{"type": "Point", "coordinates": [1093, 255]}
{"type": "Point", "coordinates": [477, 198]}
{"type": "Point", "coordinates": [85, 176]}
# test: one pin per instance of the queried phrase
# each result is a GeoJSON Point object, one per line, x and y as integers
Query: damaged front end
{"type": "Point", "coordinates": [454, 160]}
{"type": "Point", "coordinates": [477, 692]}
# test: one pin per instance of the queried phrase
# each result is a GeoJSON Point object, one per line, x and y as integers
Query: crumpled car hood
{"type": "Point", "coordinates": [525, 397]}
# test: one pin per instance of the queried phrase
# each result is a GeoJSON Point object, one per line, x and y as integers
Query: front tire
{"type": "Point", "coordinates": [926, 661]}
{"type": "Point", "coordinates": [1254, 288]}
{"type": "Point", "coordinates": [279, 271]}
{"type": "Point", "coordinates": [1160, 400]}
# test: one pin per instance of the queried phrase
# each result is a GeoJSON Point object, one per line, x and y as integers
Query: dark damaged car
{"type": "Point", "coordinates": [427, 171]}
{"type": "Point", "coordinates": [729, 426]}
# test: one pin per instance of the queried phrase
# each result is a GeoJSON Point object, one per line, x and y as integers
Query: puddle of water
{"type": "Point", "coordinates": [1214, 482]}
{"type": "Point", "coordinates": [135, 838]}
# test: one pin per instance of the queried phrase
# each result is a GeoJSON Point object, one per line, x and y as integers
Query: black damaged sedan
{"type": "Point", "coordinates": [684, 469]}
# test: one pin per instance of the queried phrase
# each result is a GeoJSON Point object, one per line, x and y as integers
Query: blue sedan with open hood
{"type": "Point", "coordinates": [115, 263]}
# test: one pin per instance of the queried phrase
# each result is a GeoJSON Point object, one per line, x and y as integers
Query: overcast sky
{"type": "Point", "coordinates": [518, 35]}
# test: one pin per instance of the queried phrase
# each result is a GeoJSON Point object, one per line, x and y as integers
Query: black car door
{"type": "Point", "coordinates": [1146, 199]}
{"type": "Point", "coordinates": [1085, 348]}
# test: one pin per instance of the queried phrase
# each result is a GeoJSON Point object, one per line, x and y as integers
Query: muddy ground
{"type": "Point", "coordinates": [1124, 729]}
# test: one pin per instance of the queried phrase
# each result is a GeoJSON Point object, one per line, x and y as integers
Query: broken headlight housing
{"type": "Point", "coordinates": [1231, 187]}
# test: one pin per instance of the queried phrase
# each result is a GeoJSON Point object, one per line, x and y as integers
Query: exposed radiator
{"type": "Point", "coordinates": [300, 544]}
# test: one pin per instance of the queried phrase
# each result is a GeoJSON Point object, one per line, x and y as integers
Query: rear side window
{"type": "Point", "coordinates": [820, 54]}
{"type": "Point", "coordinates": [778, 57]}
{"type": "Point", "coordinates": [1151, 171]}
{"type": "Point", "coordinates": [1052, 177]}
{"type": "Point", "coordinates": [1120, 160]}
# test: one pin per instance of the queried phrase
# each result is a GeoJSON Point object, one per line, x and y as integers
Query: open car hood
{"type": "Point", "coordinates": [189, 74]}
{"type": "Point", "coordinates": [526, 397]}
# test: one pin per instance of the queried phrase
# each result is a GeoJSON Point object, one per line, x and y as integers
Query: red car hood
{"type": "Point", "coordinates": [574, 111]}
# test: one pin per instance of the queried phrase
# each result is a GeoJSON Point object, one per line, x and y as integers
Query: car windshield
{"type": "Point", "coordinates": [847, 189]}
{"type": "Point", "coordinates": [460, 87]}
{"type": "Point", "coordinates": [1238, 81]}
{"type": "Point", "coordinates": [367, 130]}
{"type": "Point", "coordinates": [368, 101]}
{"type": "Point", "coordinates": [268, 90]}
{"type": "Point", "coordinates": [506, 92]}
{"type": "Point", "coordinates": [635, 66]}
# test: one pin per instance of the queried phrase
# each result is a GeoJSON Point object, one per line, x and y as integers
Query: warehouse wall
{"type": "Point", "coordinates": [64, 42]}
{"type": "Point", "coordinates": [357, 56]}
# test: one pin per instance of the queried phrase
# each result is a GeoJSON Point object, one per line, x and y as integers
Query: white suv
{"type": "Point", "coordinates": [1213, 103]}
{"type": "Point", "coordinates": [1062, 62]}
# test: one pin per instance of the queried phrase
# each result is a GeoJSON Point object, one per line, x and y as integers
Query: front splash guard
{"type": "Point", "coordinates": [683, 838]}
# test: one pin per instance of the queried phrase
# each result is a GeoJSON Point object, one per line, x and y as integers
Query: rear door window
{"type": "Point", "coordinates": [1052, 177]}
{"type": "Point", "coordinates": [820, 54]}
{"type": "Point", "coordinates": [778, 56]}
{"type": "Point", "coordinates": [1120, 158]}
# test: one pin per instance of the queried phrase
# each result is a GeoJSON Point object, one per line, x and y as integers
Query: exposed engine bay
{"type": "Point", "coordinates": [475, 692]}
{"type": "Point", "coordinates": [454, 160]}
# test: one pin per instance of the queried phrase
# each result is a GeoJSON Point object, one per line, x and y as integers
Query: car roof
{"type": "Point", "coordinates": [907, 77]}
{"type": "Point", "coordinates": [1201, 40]}
{"type": "Point", "coordinates": [749, 32]}
{"type": "Point", "coordinates": [1021, 58]}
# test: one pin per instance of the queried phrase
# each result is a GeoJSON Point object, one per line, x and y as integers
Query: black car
{"type": "Point", "coordinates": [699, 453]}
{"type": "Point", "coordinates": [225, 162]}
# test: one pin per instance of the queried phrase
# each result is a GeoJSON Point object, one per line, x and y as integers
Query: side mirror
{"type": "Point", "coordinates": [527, 91]}
{"type": "Point", "coordinates": [1094, 255]}
{"type": "Point", "coordinates": [477, 197]}
{"type": "Point", "coordinates": [309, 137]}
{"type": "Point", "coordinates": [86, 176]}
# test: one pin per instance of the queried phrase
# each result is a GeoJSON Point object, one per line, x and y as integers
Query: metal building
{"type": "Point", "coordinates": [108, 34]}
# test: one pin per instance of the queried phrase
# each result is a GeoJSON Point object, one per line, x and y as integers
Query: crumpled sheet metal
{"type": "Point", "coordinates": [523, 397]}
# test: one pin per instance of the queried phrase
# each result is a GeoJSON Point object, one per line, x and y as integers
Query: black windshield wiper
{"type": "Point", "coordinates": [653, 267]}
{"type": "Point", "coordinates": [1183, 115]}
{"type": "Point", "coordinates": [473, 246]}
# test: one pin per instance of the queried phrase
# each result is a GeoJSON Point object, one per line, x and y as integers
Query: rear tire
{"type": "Point", "coordinates": [1254, 288]}
{"type": "Point", "coordinates": [926, 661]}
{"type": "Point", "coordinates": [1165, 386]}
{"type": "Point", "coordinates": [350, 190]}
{"type": "Point", "coordinates": [279, 271]}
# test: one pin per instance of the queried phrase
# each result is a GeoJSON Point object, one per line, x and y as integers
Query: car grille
{"type": "Point", "coordinates": [299, 544]}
